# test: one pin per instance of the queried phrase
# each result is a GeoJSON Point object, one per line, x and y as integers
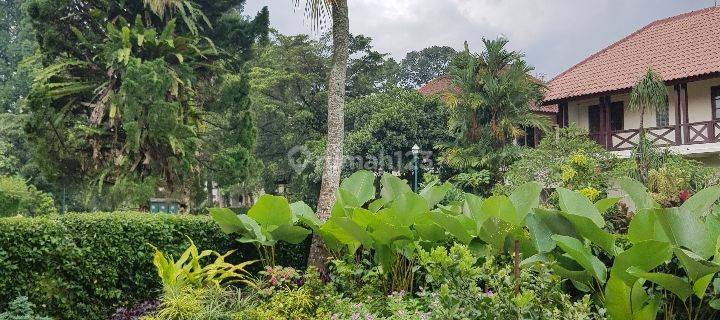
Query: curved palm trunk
{"type": "Point", "coordinates": [335, 122]}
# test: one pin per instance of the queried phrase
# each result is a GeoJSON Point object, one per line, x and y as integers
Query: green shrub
{"type": "Point", "coordinates": [17, 197]}
{"type": "Point", "coordinates": [83, 266]}
{"type": "Point", "coordinates": [21, 309]}
{"type": "Point", "coordinates": [565, 158]}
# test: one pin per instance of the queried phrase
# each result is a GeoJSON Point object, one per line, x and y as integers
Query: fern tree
{"type": "Point", "coordinates": [490, 101]}
{"type": "Point", "coordinates": [133, 93]}
{"type": "Point", "coordinates": [648, 94]}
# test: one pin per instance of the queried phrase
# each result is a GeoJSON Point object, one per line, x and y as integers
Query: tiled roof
{"type": "Point", "coordinates": [679, 47]}
{"type": "Point", "coordinates": [441, 84]}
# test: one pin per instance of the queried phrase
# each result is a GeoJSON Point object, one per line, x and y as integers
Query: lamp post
{"type": "Point", "coordinates": [415, 152]}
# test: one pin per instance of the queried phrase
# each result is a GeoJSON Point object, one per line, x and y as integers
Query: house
{"type": "Point", "coordinates": [532, 136]}
{"type": "Point", "coordinates": [685, 51]}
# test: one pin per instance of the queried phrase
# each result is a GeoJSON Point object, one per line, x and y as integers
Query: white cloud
{"type": "Point", "coordinates": [554, 34]}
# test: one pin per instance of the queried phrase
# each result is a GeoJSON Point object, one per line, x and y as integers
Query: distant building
{"type": "Point", "coordinates": [685, 51]}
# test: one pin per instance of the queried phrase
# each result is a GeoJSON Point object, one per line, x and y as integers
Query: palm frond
{"type": "Point", "coordinates": [316, 11]}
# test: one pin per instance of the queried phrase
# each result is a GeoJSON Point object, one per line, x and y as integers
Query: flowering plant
{"type": "Point", "coordinates": [277, 278]}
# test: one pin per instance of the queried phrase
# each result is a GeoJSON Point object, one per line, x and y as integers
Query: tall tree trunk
{"type": "Point", "coordinates": [641, 160]}
{"type": "Point", "coordinates": [335, 122]}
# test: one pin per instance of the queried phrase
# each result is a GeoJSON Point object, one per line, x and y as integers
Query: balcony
{"type": "Point", "coordinates": [694, 133]}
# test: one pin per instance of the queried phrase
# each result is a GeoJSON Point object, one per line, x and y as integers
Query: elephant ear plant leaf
{"type": "Point", "coordinates": [270, 220]}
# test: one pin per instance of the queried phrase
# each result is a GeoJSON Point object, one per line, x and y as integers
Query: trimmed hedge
{"type": "Point", "coordinates": [85, 265]}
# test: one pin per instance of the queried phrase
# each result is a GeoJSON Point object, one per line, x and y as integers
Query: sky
{"type": "Point", "coordinates": [553, 34]}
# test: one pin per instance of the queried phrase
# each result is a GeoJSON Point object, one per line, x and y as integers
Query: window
{"type": "Point", "coordinates": [715, 101]}
{"type": "Point", "coordinates": [594, 119]}
{"type": "Point", "coordinates": [662, 116]}
{"type": "Point", "coordinates": [617, 116]}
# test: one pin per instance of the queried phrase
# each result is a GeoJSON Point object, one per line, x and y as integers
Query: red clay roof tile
{"type": "Point", "coordinates": [678, 47]}
{"type": "Point", "coordinates": [441, 84]}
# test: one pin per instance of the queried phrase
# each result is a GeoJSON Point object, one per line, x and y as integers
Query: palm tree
{"type": "Point", "coordinates": [650, 93]}
{"type": "Point", "coordinates": [492, 95]}
{"type": "Point", "coordinates": [490, 98]}
{"type": "Point", "coordinates": [316, 11]}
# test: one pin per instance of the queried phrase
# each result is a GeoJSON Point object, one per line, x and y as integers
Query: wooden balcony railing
{"type": "Point", "coordinates": [684, 134]}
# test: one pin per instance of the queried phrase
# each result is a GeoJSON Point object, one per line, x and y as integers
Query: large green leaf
{"type": "Point", "coordinates": [254, 231]}
{"type": "Point", "coordinates": [604, 204]}
{"type": "Point", "coordinates": [646, 255]}
{"type": "Point", "coordinates": [525, 198]}
{"type": "Point", "coordinates": [650, 310]}
{"type": "Point", "coordinates": [701, 202]}
{"type": "Point", "coordinates": [700, 286]}
{"type": "Point", "coordinates": [644, 226]}
{"type": "Point", "coordinates": [586, 228]}
{"type": "Point", "coordinates": [363, 217]}
{"type": "Point", "coordinates": [305, 215]}
{"type": "Point", "coordinates": [472, 207]}
{"type": "Point", "coordinates": [638, 193]}
{"type": "Point", "coordinates": [502, 208]}
{"type": "Point", "coordinates": [227, 220]}
{"type": "Point", "coordinates": [385, 234]}
{"type": "Point", "coordinates": [556, 222]}
{"type": "Point", "coordinates": [335, 230]}
{"type": "Point", "coordinates": [576, 204]}
{"type": "Point", "coordinates": [695, 266]}
{"type": "Point", "coordinates": [578, 252]}
{"type": "Point", "coordinates": [428, 231]}
{"type": "Point", "coordinates": [271, 210]}
{"type": "Point", "coordinates": [408, 207]}
{"type": "Point", "coordinates": [361, 184]}
{"type": "Point", "coordinates": [685, 229]}
{"type": "Point", "coordinates": [290, 233]}
{"type": "Point", "coordinates": [672, 283]}
{"type": "Point", "coordinates": [392, 187]}
{"type": "Point", "coordinates": [540, 233]}
{"type": "Point", "coordinates": [495, 232]}
{"type": "Point", "coordinates": [451, 225]}
{"type": "Point", "coordinates": [618, 299]}
{"type": "Point", "coordinates": [434, 194]}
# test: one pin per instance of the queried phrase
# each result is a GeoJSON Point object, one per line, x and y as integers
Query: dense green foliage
{"type": "Point", "coordinates": [16, 44]}
{"type": "Point", "coordinates": [21, 309]}
{"type": "Point", "coordinates": [383, 125]}
{"type": "Point", "coordinates": [83, 266]}
{"type": "Point", "coordinates": [490, 100]}
{"type": "Point", "coordinates": [289, 98]}
{"type": "Point", "coordinates": [142, 94]}
{"type": "Point", "coordinates": [17, 197]}
{"type": "Point", "coordinates": [566, 158]}
{"type": "Point", "coordinates": [419, 67]}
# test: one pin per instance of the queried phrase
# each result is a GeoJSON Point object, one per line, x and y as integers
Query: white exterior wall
{"type": "Point", "coordinates": [699, 110]}
{"type": "Point", "coordinates": [578, 110]}
{"type": "Point", "coordinates": [699, 105]}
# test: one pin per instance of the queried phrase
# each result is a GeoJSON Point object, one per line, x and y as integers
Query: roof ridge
{"type": "Point", "coordinates": [616, 43]}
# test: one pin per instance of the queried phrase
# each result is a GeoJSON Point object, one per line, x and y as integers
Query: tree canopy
{"type": "Point", "coordinates": [127, 91]}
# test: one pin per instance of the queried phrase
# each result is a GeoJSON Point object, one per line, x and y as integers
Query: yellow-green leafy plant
{"type": "Point", "coordinates": [270, 220]}
{"type": "Point", "coordinates": [189, 272]}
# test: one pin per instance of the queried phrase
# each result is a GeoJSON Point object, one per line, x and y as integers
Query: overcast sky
{"type": "Point", "coordinates": [554, 34]}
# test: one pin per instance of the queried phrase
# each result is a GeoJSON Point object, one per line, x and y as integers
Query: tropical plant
{"type": "Point", "coordinates": [19, 198]}
{"type": "Point", "coordinates": [400, 221]}
{"type": "Point", "coordinates": [648, 94]}
{"type": "Point", "coordinates": [490, 98]}
{"type": "Point", "coordinates": [188, 272]}
{"type": "Point", "coordinates": [132, 94]}
{"type": "Point", "coordinates": [492, 95]}
{"type": "Point", "coordinates": [21, 309]}
{"type": "Point", "coordinates": [632, 284]}
{"type": "Point", "coordinates": [270, 220]}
